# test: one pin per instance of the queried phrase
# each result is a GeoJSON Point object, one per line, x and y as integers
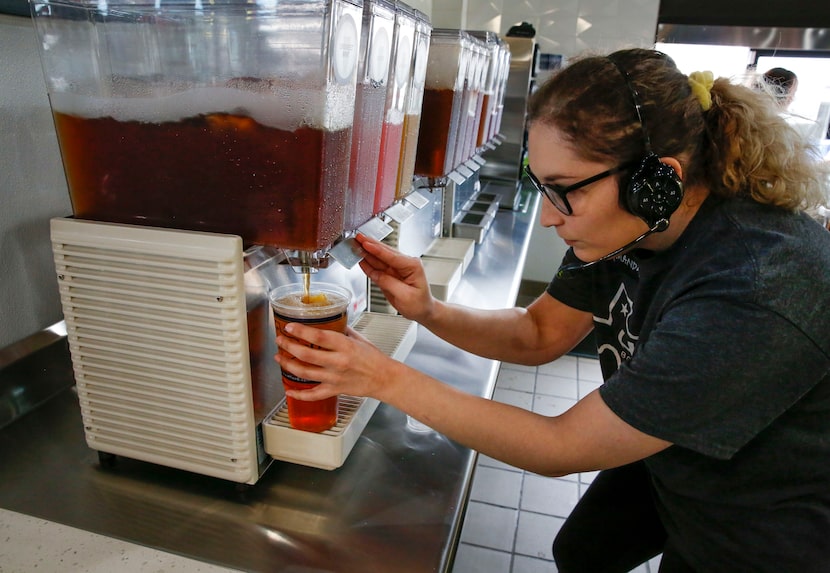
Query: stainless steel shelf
{"type": "Point", "coordinates": [396, 504]}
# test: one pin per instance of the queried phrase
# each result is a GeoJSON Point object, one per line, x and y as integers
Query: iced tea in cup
{"type": "Point", "coordinates": [325, 306]}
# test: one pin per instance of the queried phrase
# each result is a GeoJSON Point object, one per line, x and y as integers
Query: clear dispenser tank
{"type": "Point", "coordinates": [370, 103]}
{"type": "Point", "coordinates": [443, 95]}
{"type": "Point", "coordinates": [414, 104]}
{"type": "Point", "coordinates": [488, 89]}
{"type": "Point", "coordinates": [474, 101]}
{"type": "Point", "coordinates": [391, 140]}
{"type": "Point", "coordinates": [501, 88]}
{"type": "Point", "coordinates": [228, 117]}
{"type": "Point", "coordinates": [467, 98]}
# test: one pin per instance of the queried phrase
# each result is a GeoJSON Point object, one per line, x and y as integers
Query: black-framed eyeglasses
{"type": "Point", "coordinates": [556, 194]}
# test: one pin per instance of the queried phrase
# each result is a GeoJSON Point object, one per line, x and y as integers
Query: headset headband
{"type": "Point", "coordinates": [635, 98]}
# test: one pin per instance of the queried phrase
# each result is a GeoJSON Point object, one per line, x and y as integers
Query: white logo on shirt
{"type": "Point", "coordinates": [619, 310]}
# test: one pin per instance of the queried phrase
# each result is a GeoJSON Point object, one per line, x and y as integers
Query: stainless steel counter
{"type": "Point", "coordinates": [396, 504]}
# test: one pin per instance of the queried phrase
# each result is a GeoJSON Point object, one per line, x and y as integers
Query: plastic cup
{"type": "Point", "coordinates": [326, 308]}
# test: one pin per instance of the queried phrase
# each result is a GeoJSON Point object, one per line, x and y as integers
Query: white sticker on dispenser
{"type": "Point", "coordinates": [345, 49]}
{"type": "Point", "coordinates": [379, 56]}
{"type": "Point", "coordinates": [403, 61]}
{"type": "Point", "coordinates": [421, 63]}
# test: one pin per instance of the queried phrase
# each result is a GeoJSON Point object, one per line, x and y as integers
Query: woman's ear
{"type": "Point", "coordinates": [674, 164]}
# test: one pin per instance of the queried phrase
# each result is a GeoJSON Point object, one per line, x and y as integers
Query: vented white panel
{"type": "Point", "coordinates": [157, 330]}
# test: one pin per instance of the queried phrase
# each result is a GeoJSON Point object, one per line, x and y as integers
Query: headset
{"type": "Point", "coordinates": [653, 192]}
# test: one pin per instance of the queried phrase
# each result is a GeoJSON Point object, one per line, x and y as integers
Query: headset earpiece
{"type": "Point", "coordinates": [654, 190]}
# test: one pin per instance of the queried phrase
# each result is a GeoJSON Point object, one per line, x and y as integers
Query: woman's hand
{"type": "Point", "coordinates": [342, 363]}
{"type": "Point", "coordinates": [400, 277]}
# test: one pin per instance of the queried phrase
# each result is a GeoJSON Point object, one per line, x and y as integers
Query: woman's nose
{"type": "Point", "coordinates": [550, 216]}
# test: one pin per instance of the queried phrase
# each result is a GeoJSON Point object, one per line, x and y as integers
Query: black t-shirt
{"type": "Point", "coordinates": [721, 346]}
{"type": "Point", "coordinates": [605, 290]}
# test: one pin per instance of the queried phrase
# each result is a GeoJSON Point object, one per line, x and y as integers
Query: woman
{"type": "Point", "coordinates": [707, 287]}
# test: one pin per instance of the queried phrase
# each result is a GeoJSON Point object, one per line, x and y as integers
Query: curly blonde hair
{"type": "Point", "coordinates": [741, 146]}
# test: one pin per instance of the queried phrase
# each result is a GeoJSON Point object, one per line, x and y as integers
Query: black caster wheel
{"type": "Point", "coordinates": [242, 490]}
{"type": "Point", "coordinates": [106, 460]}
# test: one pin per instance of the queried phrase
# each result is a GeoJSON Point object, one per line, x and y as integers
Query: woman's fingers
{"type": "Point", "coordinates": [384, 258]}
{"type": "Point", "coordinates": [303, 350]}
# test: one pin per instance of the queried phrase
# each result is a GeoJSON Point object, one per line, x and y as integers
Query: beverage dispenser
{"type": "Point", "coordinates": [228, 117]}
{"type": "Point", "coordinates": [501, 88]}
{"type": "Point", "coordinates": [488, 88]}
{"type": "Point", "coordinates": [443, 95]}
{"type": "Point", "coordinates": [370, 102]}
{"type": "Point", "coordinates": [391, 141]}
{"type": "Point", "coordinates": [202, 143]}
{"type": "Point", "coordinates": [414, 104]}
{"type": "Point", "coordinates": [480, 56]}
{"type": "Point", "coordinates": [467, 102]}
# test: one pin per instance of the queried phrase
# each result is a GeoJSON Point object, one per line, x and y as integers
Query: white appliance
{"type": "Point", "coordinates": [172, 345]}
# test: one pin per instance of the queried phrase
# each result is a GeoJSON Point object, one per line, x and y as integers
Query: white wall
{"type": "Point", "coordinates": [32, 187]}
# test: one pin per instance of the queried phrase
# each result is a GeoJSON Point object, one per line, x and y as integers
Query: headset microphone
{"type": "Point", "coordinates": [569, 271]}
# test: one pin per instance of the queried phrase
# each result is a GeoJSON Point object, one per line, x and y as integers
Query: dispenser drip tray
{"type": "Point", "coordinates": [452, 248]}
{"type": "Point", "coordinates": [473, 219]}
{"type": "Point", "coordinates": [443, 276]}
{"type": "Point", "coordinates": [395, 336]}
{"type": "Point", "coordinates": [472, 226]}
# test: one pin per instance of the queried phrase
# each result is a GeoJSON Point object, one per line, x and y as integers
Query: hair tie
{"type": "Point", "coordinates": [701, 84]}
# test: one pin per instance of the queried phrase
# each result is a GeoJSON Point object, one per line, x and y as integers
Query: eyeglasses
{"type": "Point", "coordinates": [556, 194]}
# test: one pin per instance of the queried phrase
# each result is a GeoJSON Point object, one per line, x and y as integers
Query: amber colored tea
{"type": "Point", "coordinates": [217, 172]}
{"type": "Point", "coordinates": [436, 139]}
{"type": "Point", "coordinates": [326, 308]}
{"type": "Point", "coordinates": [411, 128]}
{"type": "Point", "coordinates": [484, 122]}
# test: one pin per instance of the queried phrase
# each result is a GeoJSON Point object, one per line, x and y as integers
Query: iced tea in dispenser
{"type": "Point", "coordinates": [443, 94]}
{"type": "Point", "coordinates": [228, 117]}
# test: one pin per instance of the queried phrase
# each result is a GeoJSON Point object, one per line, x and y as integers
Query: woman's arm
{"type": "Point", "coordinates": [544, 331]}
{"type": "Point", "coordinates": [539, 334]}
{"type": "Point", "coordinates": [587, 437]}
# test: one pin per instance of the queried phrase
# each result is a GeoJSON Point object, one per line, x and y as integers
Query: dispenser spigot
{"type": "Point", "coordinates": [304, 262]}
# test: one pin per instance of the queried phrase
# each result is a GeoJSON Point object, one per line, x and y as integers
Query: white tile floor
{"type": "Point", "coordinates": [513, 515]}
